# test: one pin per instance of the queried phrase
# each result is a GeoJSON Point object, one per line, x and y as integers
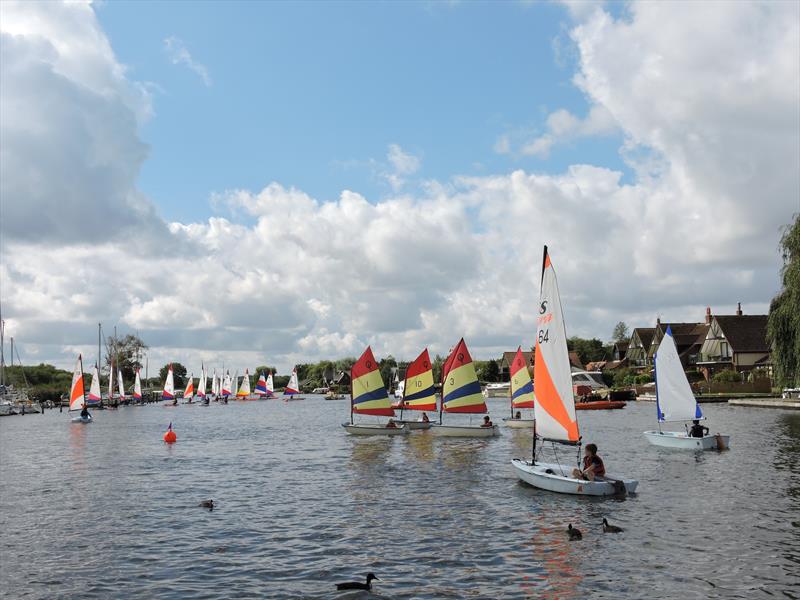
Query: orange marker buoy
{"type": "Point", "coordinates": [169, 436]}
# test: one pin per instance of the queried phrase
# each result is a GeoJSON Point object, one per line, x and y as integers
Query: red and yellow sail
{"type": "Point", "coordinates": [418, 390]}
{"type": "Point", "coordinates": [554, 408]}
{"type": "Point", "coordinates": [521, 383]}
{"type": "Point", "coordinates": [368, 393]}
{"type": "Point", "coordinates": [461, 391]}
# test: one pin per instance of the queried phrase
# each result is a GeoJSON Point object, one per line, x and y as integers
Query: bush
{"type": "Point", "coordinates": [726, 376]}
{"type": "Point", "coordinates": [642, 379]}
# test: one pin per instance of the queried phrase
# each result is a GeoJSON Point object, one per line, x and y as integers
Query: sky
{"type": "Point", "coordinates": [273, 183]}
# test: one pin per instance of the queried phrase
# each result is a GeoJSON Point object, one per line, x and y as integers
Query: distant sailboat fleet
{"type": "Point", "coordinates": [543, 404]}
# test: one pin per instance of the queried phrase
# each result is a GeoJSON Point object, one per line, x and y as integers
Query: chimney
{"type": "Point", "coordinates": [739, 309]}
{"type": "Point", "coordinates": [708, 315]}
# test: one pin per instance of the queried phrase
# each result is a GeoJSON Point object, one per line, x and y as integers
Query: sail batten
{"type": "Point", "coordinates": [674, 398]}
{"type": "Point", "coordinates": [554, 406]}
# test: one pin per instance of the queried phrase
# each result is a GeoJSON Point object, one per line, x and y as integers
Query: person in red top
{"type": "Point", "coordinates": [593, 467]}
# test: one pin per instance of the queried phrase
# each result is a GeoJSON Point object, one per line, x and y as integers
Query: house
{"type": "Point", "coordinates": [688, 340]}
{"type": "Point", "coordinates": [639, 346]}
{"type": "Point", "coordinates": [620, 350]}
{"type": "Point", "coordinates": [736, 342]}
{"type": "Point", "coordinates": [508, 358]}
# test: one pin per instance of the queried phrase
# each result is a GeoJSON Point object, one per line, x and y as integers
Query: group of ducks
{"type": "Point", "coordinates": [575, 534]}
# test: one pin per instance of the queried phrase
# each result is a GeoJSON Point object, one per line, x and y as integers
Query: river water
{"type": "Point", "coordinates": [107, 510]}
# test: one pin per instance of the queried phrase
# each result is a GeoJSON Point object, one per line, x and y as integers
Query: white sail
{"type": "Point", "coordinates": [214, 384]}
{"type": "Point", "coordinates": [120, 385]}
{"type": "Point", "coordinates": [111, 382]}
{"type": "Point", "coordinates": [201, 386]}
{"type": "Point", "coordinates": [554, 408]}
{"type": "Point", "coordinates": [137, 386]}
{"type": "Point", "coordinates": [244, 389]}
{"type": "Point", "coordinates": [227, 385]}
{"type": "Point", "coordinates": [94, 387]}
{"type": "Point", "coordinates": [293, 386]}
{"type": "Point", "coordinates": [169, 386]}
{"type": "Point", "coordinates": [270, 385]}
{"type": "Point", "coordinates": [674, 398]}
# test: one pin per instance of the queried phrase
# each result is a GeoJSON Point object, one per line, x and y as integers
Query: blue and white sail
{"type": "Point", "coordinates": [674, 398]}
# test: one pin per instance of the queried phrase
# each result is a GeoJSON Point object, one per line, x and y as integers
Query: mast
{"type": "Point", "coordinates": [2, 352]}
{"type": "Point", "coordinates": [351, 395]}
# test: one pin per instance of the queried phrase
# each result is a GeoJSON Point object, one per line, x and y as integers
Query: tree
{"type": "Point", "coordinates": [436, 366]}
{"type": "Point", "coordinates": [265, 369]}
{"type": "Point", "coordinates": [178, 374]}
{"type": "Point", "coordinates": [783, 326]}
{"type": "Point", "coordinates": [620, 333]}
{"type": "Point", "coordinates": [126, 352]}
{"type": "Point", "coordinates": [588, 350]}
{"type": "Point", "coordinates": [387, 366]}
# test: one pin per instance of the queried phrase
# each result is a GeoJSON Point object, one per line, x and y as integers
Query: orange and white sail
{"type": "Point", "coordinates": [554, 408]}
{"type": "Point", "coordinates": [77, 395]}
{"type": "Point", "coordinates": [188, 392]}
{"type": "Point", "coordinates": [137, 387]}
{"type": "Point", "coordinates": [94, 387]}
{"type": "Point", "coordinates": [244, 388]}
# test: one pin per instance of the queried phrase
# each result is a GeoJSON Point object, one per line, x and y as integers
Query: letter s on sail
{"type": "Point", "coordinates": [543, 307]}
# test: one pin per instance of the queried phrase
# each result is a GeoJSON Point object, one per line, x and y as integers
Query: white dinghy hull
{"type": "Point", "coordinates": [464, 431]}
{"type": "Point", "coordinates": [415, 425]}
{"type": "Point", "coordinates": [374, 429]}
{"type": "Point", "coordinates": [560, 480]}
{"type": "Point", "coordinates": [681, 440]}
{"type": "Point", "coordinates": [519, 423]}
{"type": "Point", "coordinates": [84, 420]}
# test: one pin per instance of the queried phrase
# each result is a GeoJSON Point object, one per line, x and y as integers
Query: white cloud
{"type": "Point", "coordinates": [401, 165]}
{"type": "Point", "coordinates": [563, 126]}
{"type": "Point", "coordinates": [179, 55]}
{"type": "Point", "coordinates": [710, 125]}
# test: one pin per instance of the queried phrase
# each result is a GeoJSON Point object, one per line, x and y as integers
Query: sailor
{"type": "Point", "coordinates": [593, 467]}
{"type": "Point", "coordinates": [698, 430]}
{"type": "Point", "coordinates": [85, 411]}
{"type": "Point", "coordinates": [487, 422]}
{"type": "Point", "coordinates": [424, 418]}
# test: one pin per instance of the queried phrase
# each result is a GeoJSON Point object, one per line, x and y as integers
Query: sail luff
{"type": "Point", "coordinates": [168, 393]}
{"type": "Point", "coordinates": [94, 386]}
{"type": "Point", "coordinates": [137, 386]}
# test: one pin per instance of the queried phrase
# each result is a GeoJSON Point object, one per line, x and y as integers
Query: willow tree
{"type": "Point", "coordinates": [783, 328]}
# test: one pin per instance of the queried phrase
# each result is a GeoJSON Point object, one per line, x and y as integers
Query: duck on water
{"type": "Point", "coordinates": [357, 585]}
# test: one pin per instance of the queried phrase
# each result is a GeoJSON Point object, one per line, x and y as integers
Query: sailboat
{"type": "Point", "coordinates": [261, 387]}
{"type": "Point", "coordinates": [461, 393]}
{"type": "Point", "coordinates": [520, 392]}
{"type": "Point", "coordinates": [77, 394]}
{"type": "Point", "coordinates": [554, 404]}
{"type": "Point", "coordinates": [270, 386]}
{"type": "Point", "coordinates": [110, 395]}
{"type": "Point", "coordinates": [244, 388]}
{"type": "Point", "coordinates": [214, 386]}
{"type": "Point", "coordinates": [137, 388]}
{"type": "Point", "coordinates": [120, 386]}
{"type": "Point", "coordinates": [368, 397]}
{"type": "Point", "coordinates": [201, 386]}
{"type": "Point", "coordinates": [417, 390]}
{"type": "Point", "coordinates": [168, 392]}
{"type": "Point", "coordinates": [227, 386]}
{"type": "Point", "coordinates": [188, 392]}
{"type": "Point", "coordinates": [94, 398]}
{"type": "Point", "coordinates": [292, 388]}
{"type": "Point", "coordinates": [675, 402]}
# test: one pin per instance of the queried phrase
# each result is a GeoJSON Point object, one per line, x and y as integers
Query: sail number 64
{"type": "Point", "coordinates": [544, 336]}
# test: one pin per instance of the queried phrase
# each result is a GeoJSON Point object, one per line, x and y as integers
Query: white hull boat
{"type": "Point", "coordinates": [558, 478]}
{"type": "Point", "coordinates": [415, 425]}
{"type": "Point", "coordinates": [369, 429]}
{"type": "Point", "coordinates": [474, 431]}
{"type": "Point", "coordinates": [679, 439]}
{"type": "Point", "coordinates": [83, 420]}
{"type": "Point", "coordinates": [519, 423]}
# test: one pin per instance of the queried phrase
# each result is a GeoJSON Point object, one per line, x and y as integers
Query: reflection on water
{"type": "Point", "coordinates": [301, 505]}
